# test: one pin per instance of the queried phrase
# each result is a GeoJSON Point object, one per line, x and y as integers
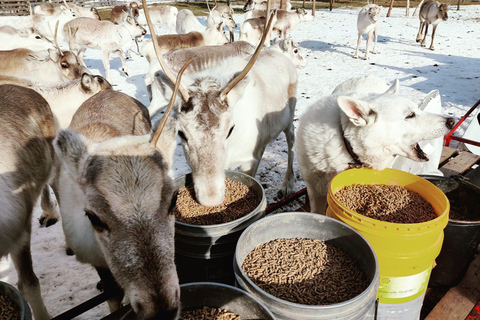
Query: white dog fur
{"type": "Point", "coordinates": [378, 123]}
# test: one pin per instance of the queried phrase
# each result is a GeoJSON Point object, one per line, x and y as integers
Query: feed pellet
{"type": "Point", "coordinates": [305, 271]}
{"type": "Point", "coordinates": [239, 200]}
{"type": "Point", "coordinates": [389, 203]}
{"type": "Point", "coordinates": [208, 313]}
{"type": "Point", "coordinates": [9, 310]}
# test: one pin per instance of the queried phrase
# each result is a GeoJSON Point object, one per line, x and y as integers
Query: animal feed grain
{"type": "Point", "coordinates": [388, 203]}
{"type": "Point", "coordinates": [239, 200]}
{"type": "Point", "coordinates": [305, 271]}
{"type": "Point", "coordinates": [9, 310]}
{"type": "Point", "coordinates": [208, 313]}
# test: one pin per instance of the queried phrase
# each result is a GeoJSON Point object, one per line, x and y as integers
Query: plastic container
{"type": "Point", "coordinates": [406, 252]}
{"type": "Point", "coordinates": [205, 253]}
{"type": "Point", "coordinates": [217, 295]}
{"type": "Point", "coordinates": [314, 226]}
{"type": "Point", "coordinates": [461, 237]}
{"type": "Point", "coordinates": [12, 293]}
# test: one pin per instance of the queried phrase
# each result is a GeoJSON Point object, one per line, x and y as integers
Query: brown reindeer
{"type": "Point", "coordinates": [431, 12]}
{"type": "Point", "coordinates": [26, 157]}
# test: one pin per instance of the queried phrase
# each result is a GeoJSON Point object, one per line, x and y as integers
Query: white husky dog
{"type": "Point", "coordinates": [367, 22]}
{"type": "Point", "coordinates": [363, 123]}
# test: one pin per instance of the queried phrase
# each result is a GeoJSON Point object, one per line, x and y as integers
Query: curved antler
{"type": "Point", "coordinates": [164, 66]}
{"type": "Point", "coordinates": [156, 136]}
{"type": "Point", "coordinates": [254, 57]}
{"type": "Point", "coordinates": [55, 38]}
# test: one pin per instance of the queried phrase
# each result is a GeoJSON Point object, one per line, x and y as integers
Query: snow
{"type": "Point", "coordinates": [328, 43]}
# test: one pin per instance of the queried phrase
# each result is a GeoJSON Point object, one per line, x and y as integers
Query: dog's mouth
{"type": "Point", "coordinates": [422, 156]}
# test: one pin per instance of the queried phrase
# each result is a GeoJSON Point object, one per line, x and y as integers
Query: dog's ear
{"type": "Point", "coordinates": [394, 88]}
{"type": "Point", "coordinates": [359, 112]}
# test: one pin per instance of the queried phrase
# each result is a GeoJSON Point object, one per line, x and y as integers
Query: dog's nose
{"type": "Point", "coordinates": [450, 123]}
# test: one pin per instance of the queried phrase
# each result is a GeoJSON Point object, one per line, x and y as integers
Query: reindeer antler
{"type": "Point", "coordinates": [254, 57]}
{"type": "Point", "coordinates": [164, 66]}
{"type": "Point", "coordinates": [156, 136]}
{"type": "Point", "coordinates": [55, 38]}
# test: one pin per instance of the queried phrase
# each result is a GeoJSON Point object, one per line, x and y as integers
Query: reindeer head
{"type": "Point", "coordinates": [443, 11]}
{"type": "Point", "coordinates": [374, 13]}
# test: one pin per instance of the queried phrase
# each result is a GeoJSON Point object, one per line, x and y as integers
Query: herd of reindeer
{"type": "Point", "coordinates": [109, 166]}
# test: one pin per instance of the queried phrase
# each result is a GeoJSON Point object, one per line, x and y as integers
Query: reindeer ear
{"type": "Point", "coordinates": [358, 112]}
{"type": "Point", "coordinates": [71, 149]}
{"type": "Point", "coordinates": [394, 88]}
{"type": "Point", "coordinates": [54, 55]}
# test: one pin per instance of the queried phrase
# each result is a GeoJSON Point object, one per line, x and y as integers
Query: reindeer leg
{"type": "Point", "coordinates": [420, 31]}
{"type": "Point", "coordinates": [106, 65]}
{"type": "Point", "coordinates": [80, 54]}
{"type": "Point", "coordinates": [289, 178]}
{"type": "Point", "coordinates": [433, 36]}
{"type": "Point", "coordinates": [111, 287]}
{"type": "Point", "coordinates": [359, 41]}
{"type": "Point", "coordinates": [369, 41]}
{"type": "Point", "coordinates": [50, 212]}
{"type": "Point", "coordinates": [124, 64]}
{"type": "Point", "coordinates": [28, 283]}
{"type": "Point", "coordinates": [375, 35]}
{"type": "Point", "coordinates": [138, 48]}
{"type": "Point", "coordinates": [424, 41]}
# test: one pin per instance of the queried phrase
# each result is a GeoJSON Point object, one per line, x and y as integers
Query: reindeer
{"type": "Point", "coordinates": [251, 30]}
{"type": "Point", "coordinates": [26, 153]}
{"type": "Point", "coordinates": [48, 66]}
{"type": "Point", "coordinates": [119, 15]}
{"type": "Point", "coordinates": [117, 200]}
{"type": "Point", "coordinates": [106, 36]}
{"type": "Point", "coordinates": [162, 15]}
{"type": "Point", "coordinates": [289, 49]}
{"type": "Point", "coordinates": [187, 22]}
{"type": "Point", "coordinates": [29, 38]}
{"type": "Point", "coordinates": [431, 12]}
{"type": "Point", "coordinates": [45, 23]}
{"type": "Point", "coordinates": [228, 115]}
{"type": "Point", "coordinates": [262, 5]}
{"type": "Point", "coordinates": [221, 13]}
{"type": "Point", "coordinates": [367, 22]}
{"type": "Point", "coordinates": [287, 20]}
{"type": "Point", "coordinates": [48, 8]}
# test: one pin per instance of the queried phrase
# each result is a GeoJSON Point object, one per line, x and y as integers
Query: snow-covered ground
{"type": "Point", "coordinates": [328, 43]}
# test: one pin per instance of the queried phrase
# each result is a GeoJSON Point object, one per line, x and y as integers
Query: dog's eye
{"type": "Point", "coordinates": [411, 115]}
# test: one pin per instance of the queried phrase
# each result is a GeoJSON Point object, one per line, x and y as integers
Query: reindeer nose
{"type": "Point", "coordinates": [450, 123]}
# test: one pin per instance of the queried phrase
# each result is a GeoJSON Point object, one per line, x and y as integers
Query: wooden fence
{"type": "Point", "coordinates": [21, 8]}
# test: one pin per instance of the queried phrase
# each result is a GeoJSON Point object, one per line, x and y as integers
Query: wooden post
{"type": "Point", "coordinates": [331, 5]}
{"type": "Point", "coordinates": [313, 8]}
{"type": "Point", "coordinates": [390, 8]}
{"type": "Point", "coordinates": [407, 13]}
{"type": "Point", "coordinates": [417, 8]}
{"type": "Point", "coordinates": [458, 5]}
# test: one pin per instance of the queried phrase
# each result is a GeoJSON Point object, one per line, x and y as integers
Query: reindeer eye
{"type": "Point", "coordinates": [411, 115]}
{"type": "Point", "coordinates": [97, 224]}
{"type": "Point", "coordinates": [295, 51]}
{"type": "Point", "coordinates": [64, 65]}
{"type": "Point", "coordinates": [182, 135]}
{"type": "Point", "coordinates": [230, 132]}
{"type": "Point", "coordinates": [38, 37]}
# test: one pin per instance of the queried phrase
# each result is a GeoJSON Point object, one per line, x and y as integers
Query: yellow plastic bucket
{"type": "Point", "coordinates": [406, 252]}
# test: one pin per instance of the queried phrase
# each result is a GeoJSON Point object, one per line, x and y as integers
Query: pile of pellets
{"type": "Point", "coordinates": [388, 203]}
{"type": "Point", "coordinates": [305, 271]}
{"type": "Point", "coordinates": [208, 313]}
{"type": "Point", "coordinates": [239, 200]}
{"type": "Point", "coordinates": [9, 310]}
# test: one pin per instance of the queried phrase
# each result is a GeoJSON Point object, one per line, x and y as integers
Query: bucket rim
{"type": "Point", "coordinates": [258, 209]}
{"type": "Point", "coordinates": [372, 286]}
{"type": "Point", "coordinates": [440, 219]}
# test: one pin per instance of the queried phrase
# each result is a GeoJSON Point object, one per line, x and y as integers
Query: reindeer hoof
{"type": "Point", "coordinates": [69, 252]}
{"type": "Point", "coordinates": [431, 48]}
{"type": "Point", "coordinates": [126, 73]}
{"type": "Point", "coordinates": [47, 222]}
{"type": "Point", "coordinates": [418, 40]}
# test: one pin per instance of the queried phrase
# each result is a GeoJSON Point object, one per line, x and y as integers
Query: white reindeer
{"type": "Point", "coordinates": [116, 201]}
{"type": "Point", "coordinates": [29, 38]}
{"type": "Point", "coordinates": [288, 20]}
{"type": "Point", "coordinates": [26, 158]}
{"type": "Point", "coordinates": [48, 8]}
{"type": "Point", "coordinates": [262, 5]}
{"type": "Point", "coordinates": [221, 13]}
{"type": "Point", "coordinates": [48, 66]}
{"type": "Point", "coordinates": [367, 22]}
{"type": "Point", "coordinates": [187, 22]}
{"type": "Point", "coordinates": [106, 36]}
{"type": "Point", "coordinates": [230, 112]}
{"type": "Point", "coordinates": [251, 30]}
{"type": "Point", "coordinates": [162, 16]}
{"type": "Point", "coordinates": [431, 12]}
